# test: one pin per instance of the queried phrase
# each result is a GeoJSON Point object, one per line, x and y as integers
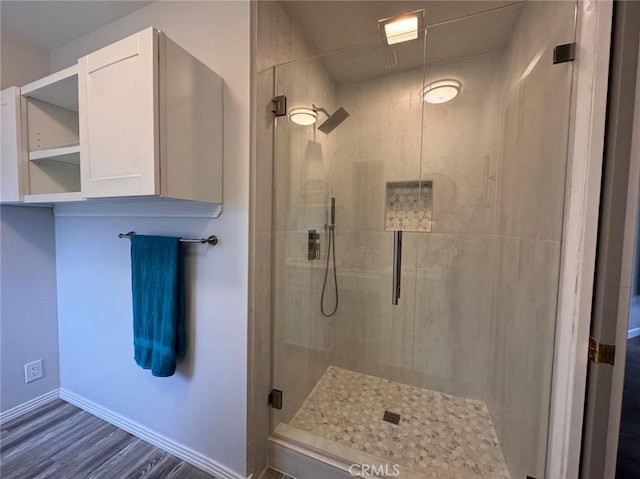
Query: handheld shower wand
{"type": "Point", "coordinates": [333, 212]}
{"type": "Point", "coordinates": [331, 253]}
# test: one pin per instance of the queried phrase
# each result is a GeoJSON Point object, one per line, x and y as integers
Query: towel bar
{"type": "Point", "coordinates": [211, 240]}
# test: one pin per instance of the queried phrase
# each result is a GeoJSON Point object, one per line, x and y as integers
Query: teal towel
{"type": "Point", "coordinates": [157, 283]}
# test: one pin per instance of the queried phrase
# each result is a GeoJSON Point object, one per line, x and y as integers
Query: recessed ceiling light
{"type": "Point", "coordinates": [402, 28]}
{"type": "Point", "coordinates": [441, 91]}
{"type": "Point", "coordinates": [303, 116]}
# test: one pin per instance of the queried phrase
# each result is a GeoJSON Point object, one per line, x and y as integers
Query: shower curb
{"type": "Point", "coordinates": [304, 455]}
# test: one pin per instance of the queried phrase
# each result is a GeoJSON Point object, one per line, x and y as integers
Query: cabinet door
{"type": "Point", "coordinates": [10, 138]}
{"type": "Point", "coordinates": [118, 103]}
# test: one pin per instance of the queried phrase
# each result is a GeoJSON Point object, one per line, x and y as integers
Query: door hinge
{"type": "Point", "coordinates": [275, 399]}
{"type": "Point", "coordinates": [564, 53]}
{"type": "Point", "coordinates": [601, 353]}
{"type": "Point", "coordinates": [279, 105]}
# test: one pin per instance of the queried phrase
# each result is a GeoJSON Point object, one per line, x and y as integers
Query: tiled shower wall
{"type": "Point", "coordinates": [437, 337]}
{"type": "Point", "coordinates": [531, 190]}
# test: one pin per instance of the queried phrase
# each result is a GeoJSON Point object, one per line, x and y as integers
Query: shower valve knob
{"type": "Point", "coordinates": [313, 245]}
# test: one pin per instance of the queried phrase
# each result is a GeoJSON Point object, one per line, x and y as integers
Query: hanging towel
{"type": "Point", "coordinates": [157, 284]}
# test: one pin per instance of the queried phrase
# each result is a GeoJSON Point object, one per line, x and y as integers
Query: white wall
{"type": "Point", "coordinates": [202, 407]}
{"type": "Point", "coordinates": [28, 315]}
{"type": "Point", "coordinates": [29, 328]}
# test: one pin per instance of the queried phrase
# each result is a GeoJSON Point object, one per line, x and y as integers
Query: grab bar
{"type": "Point", "coordinates": [397, 266]}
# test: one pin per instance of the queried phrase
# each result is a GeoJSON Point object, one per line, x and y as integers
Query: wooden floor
{"type": "Point", "coordinates": [628, 451]}
{"type": "Point", "coordinates": [59, 440]}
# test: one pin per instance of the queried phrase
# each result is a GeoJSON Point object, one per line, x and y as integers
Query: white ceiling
{"type": "Point", "coordinates": [50, 24]}
{"type": "Point", "coordinates": [328, 25]}
{"type": "Point", "coordinates": [455, 30]}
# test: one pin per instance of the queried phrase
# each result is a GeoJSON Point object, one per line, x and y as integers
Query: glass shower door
{"type": "Point", "coordinates": [373, 178]}
{"type": "Point", "coordinates": [458, 140]}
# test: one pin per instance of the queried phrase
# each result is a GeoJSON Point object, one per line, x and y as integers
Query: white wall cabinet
{"type": "Point", "coordinates": [138, 118]}
{"type": "Point", "coordinates": [150, 121]}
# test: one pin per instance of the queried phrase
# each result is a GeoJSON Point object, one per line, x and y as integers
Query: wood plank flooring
{"type": "Point", "coordinates": [628, 451]}
{"type": "Point", "coordinates": [60, 441]}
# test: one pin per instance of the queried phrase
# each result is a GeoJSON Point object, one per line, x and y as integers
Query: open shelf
{"type": "Point", "coordinates": [64, 154]}
{"type": "Point", "coordinates": [51, 120]}
{"type": "Point", "coordinates": [59, 89]}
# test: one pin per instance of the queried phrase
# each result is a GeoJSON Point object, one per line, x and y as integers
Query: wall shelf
{"type": "Point", "coordinates": [64, 154]}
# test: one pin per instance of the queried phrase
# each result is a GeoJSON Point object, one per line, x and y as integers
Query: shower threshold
{"type": "Point", "coordinates": [437, 436]}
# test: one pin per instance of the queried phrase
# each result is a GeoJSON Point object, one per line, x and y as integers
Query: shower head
{"type": "Point", "coordinates": [332, 121]}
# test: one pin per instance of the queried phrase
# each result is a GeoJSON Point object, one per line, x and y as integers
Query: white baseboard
{"type": "Point", "coordinates": [633, 333]}
{"type": "Point", "coordinates": [180, 451]}
{"type": "Point", "coordinates": [28, 406]}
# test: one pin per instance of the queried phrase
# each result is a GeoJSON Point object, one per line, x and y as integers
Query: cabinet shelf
{"type": "Point", "coordinates": [65, 154]}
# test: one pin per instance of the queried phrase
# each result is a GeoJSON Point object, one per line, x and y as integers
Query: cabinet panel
{"type": "Point", "coordinates": [119, 120]}
{"type": "Point", "coordinates": [10, 162]}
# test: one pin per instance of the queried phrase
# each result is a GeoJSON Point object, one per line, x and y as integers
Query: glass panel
{"type": "Point", "coordinates": [477, 185]}
{"type": "Point", "coordinates": [363, 168]}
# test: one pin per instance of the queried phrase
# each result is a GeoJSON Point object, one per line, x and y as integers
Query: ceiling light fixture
{"type": "Point", "coordinates": [441, 91]}
{"type": "Point", "coordinates": [303, 116]}
{"type": "Point", "coordinates": [402, 28]}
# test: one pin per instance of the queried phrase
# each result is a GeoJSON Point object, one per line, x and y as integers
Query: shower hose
{"type": "Point", "coordinates": [331, 253]}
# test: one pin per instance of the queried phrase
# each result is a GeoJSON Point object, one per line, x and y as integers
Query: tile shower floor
{"type": "Point", "coordinates": [439, 435]}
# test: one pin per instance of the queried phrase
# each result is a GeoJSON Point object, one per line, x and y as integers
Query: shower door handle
{"type": "Point", "coordinates": [397, 266]}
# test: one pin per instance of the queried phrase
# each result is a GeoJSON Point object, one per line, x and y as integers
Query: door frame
{"type": "Point", "coordinates": [616, 249]}
{"type": "Point", "coordinates": [586, 145]}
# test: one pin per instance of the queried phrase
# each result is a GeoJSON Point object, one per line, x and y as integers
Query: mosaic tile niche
{"type": "Point", "coordinates": [409, 206]}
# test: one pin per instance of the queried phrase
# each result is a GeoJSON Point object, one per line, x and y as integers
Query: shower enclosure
{"type": "Point", "coordinates": [447, 232]}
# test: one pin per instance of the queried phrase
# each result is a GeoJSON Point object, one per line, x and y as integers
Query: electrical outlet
{"type": "Point", "coordinates": [33, 371]}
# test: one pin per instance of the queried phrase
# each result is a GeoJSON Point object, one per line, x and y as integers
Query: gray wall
{"type": "Point", "coordinates": [203, 407]}
{"type": "Point", "coordinates": [21, 62]}
{"type": "Point", "coordinates": [28, 315]}
{"type": "Point", "coordinates": [29, 320]}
